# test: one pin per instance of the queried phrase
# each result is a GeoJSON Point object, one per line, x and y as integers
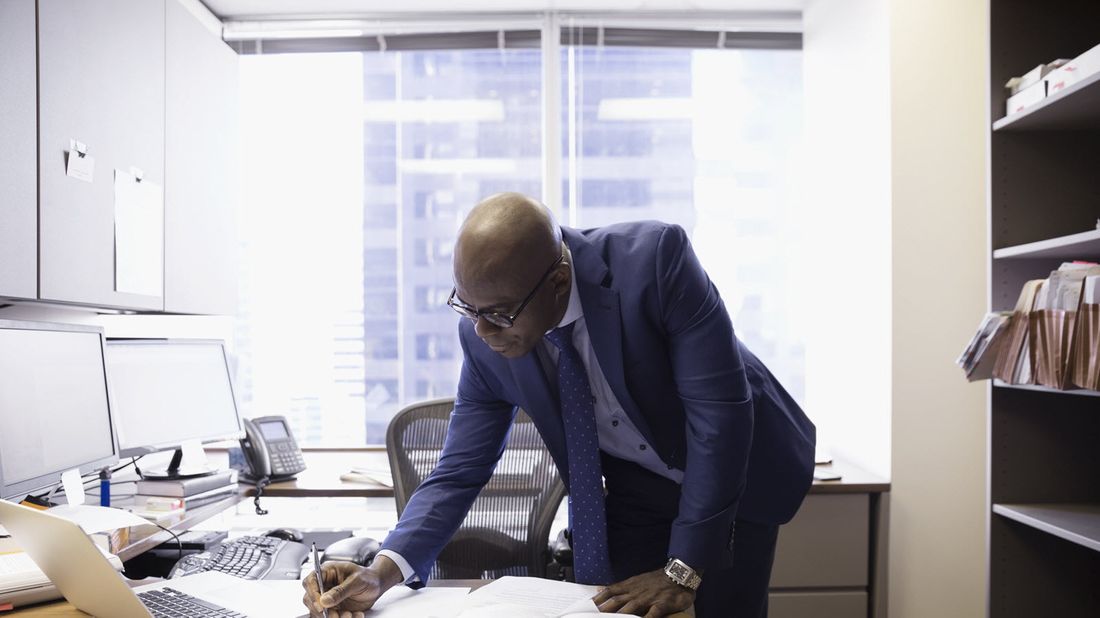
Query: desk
{"type": "Point", "coordinates": [321, 478]}
{"type": "Point", "coordinates": [60, 608]}
{"type": "Point", "coordinates": [830, 560]}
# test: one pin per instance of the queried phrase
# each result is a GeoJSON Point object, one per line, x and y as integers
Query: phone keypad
{"type": "Point", "coordinates": [286, 458]}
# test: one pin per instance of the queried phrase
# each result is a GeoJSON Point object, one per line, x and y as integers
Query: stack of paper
{"type": "Point", "coordinates": [23, 583]}
{"type": "Point", "coordinates": [1051, 338]}
{"type": "Point", "coordinates": [531, 597]}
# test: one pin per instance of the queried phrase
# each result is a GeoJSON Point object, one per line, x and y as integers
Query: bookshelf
{"type": "Point", "coordinates": [1044, 200]}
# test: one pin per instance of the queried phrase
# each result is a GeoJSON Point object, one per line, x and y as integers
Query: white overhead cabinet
{"type": "Point", "coordinates": [101, 83]}
{"type": "Point", "coordinates": [201, 168]}
{"type": "Point", "coordinates": [18, 152]}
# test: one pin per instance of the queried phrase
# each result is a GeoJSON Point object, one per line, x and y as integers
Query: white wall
{"type": "Point", "coordinates": [938, 65]}
{"type": "Point", "coordinates": [895, 97]}
{"type": "Point", "coordinates": [847, 235]}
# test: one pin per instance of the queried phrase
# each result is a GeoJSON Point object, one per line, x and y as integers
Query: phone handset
{"type": "Point", "coordinates": [271, 449]}
{"type": "Point", "coordinates": [272, 453]}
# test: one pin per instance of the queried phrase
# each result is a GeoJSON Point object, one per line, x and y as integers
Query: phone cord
{"type": "Point", "coordinates": [261, 482]}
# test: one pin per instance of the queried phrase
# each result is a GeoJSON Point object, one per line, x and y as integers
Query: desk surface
{"type": "Point", "coordinates": [321, 479]}
{"type": "Point", "coordinates": [59, 608]}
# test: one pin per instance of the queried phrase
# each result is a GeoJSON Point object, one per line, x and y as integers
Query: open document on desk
{"type": "Point", "coordinates": [507, 597]}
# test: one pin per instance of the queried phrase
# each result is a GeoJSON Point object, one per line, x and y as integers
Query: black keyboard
{"type": "Point", "coordinates": [247, 557]}
{"type": "Point", "coordinates": [169, 603]}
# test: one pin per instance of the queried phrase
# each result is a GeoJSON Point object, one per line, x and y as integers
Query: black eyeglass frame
{"type": "Point", "coordinates": [498, 318]}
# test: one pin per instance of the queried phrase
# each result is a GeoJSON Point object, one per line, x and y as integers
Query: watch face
{"type": "Point", "coordinates": [677, 570]}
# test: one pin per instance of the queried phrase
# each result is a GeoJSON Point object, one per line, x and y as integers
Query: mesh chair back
{"type": "Point", "coordinates": [507, 530]}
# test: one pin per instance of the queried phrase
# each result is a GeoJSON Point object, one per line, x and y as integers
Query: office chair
{"type": "Point", "coordinates": [507, 529]}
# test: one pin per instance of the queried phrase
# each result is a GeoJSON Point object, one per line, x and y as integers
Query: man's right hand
{"type": "Point", "coordinates": [350, 589]}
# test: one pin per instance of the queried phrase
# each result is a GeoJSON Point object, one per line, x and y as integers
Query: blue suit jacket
{"type": "Point", "coordinates": [666, 346]}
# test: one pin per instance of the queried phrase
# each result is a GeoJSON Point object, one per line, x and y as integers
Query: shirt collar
{"type": "Point", "coordinates": [573, 311]}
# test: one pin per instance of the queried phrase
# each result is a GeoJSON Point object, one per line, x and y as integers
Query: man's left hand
{"type": "Point", "coordinates": [650, 594]}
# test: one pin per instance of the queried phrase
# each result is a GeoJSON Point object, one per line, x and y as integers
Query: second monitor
{"type": "Point", "coordinates": [168, 392]}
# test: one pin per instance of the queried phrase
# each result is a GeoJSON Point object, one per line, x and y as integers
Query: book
{"type": "Point", "coordinates": [186, 487]}
{"type": "Point", "coordinates": [143, 502]}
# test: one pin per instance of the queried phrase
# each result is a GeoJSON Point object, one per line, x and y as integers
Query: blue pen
{"type": "Point", "coordinates": [105, 487]}
{"type": "Point", "coordinates": [320, 580]}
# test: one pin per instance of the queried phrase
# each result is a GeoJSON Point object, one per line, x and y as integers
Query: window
{"type": "Point", "coordinates": [706, 139]}
{"type": "Point", "coordinates": [360, 167]}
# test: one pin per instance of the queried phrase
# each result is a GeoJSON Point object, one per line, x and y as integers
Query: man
{"type": "Point", "coordinates": [616, 343]}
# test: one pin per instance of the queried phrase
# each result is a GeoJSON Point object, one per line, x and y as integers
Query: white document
{"type": "Point", "coordinates": [79, 164]}
{"type": "Point", "coordinates": [194, 456]}
{"type": "Point", "coordinates": [531, 597]}
{"type": "Point", "coordinates": [93, 519]}
{"type": "Point", "coordinates": [1091, 290]}
{"type": "Point", "coordinates": [139, 235]}
{"type": "Point", "coordinates": [74, 486]}
{"type": "Point", "coordinates": [397, 602]}
{"type": "Point", "coordinates": [404, 602]}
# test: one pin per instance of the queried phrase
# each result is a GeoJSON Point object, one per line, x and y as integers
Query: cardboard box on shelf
{"type": "Point", "coordinates": [1026, 98]}
{"type": "Point", "coordinates": [1074, 71]}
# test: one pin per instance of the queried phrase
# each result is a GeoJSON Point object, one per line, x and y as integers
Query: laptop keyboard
{"type": "Point", "coordinates": [169, 603]}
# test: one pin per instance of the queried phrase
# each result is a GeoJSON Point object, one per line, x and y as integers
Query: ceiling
{"type": "Point", "coordinates": [241, 10]}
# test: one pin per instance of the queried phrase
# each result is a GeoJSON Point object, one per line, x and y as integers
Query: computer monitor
{"type": "Point", "coordinates": [168, 392]}
{"type": "Point", "coordinates": [55, 407]}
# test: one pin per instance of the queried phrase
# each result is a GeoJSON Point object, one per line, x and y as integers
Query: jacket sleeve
{"type": "Point", "coordinates": [475, 440]}
{"type": "Point", "coordinates": [710, 379]}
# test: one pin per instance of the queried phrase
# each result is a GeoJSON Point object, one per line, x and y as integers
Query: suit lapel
{"type": "Point", "coordinates": [542, 406]}
{"type": "Point", "coordinates": [604, 322]}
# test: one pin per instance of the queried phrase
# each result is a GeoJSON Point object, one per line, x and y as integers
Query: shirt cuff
{"type": "Point", "coordinates": [406, 569]}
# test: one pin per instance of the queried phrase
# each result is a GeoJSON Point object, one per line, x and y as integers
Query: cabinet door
{"type": "Point", "coordinates": [827, 543]}
{"type": "Point", "coordinates": [101, 82]}
{"type": "Point", "coordinates": [18, 151]}
{"type": "Point", "coordinates": [201, 168]}
{"type": "Point", "coordinates": [819, 604]}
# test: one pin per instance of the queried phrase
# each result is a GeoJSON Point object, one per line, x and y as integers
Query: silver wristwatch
{"type": "Point", "coordinates": [682, 574]}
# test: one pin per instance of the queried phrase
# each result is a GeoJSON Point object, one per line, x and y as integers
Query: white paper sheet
{"type": "Point", "coordinates": [93, 519]}
{"type": "Point", "coordinates": [404, 602]}
{"type": "Point", "coordinates": [74, 486]}
{"type": "Point", "coordinates": [397, 602]}
{"type": "Point", "coordinates": [79, 164]}
{"type": "Point", "coordinates": [530, 596]}
{"type": "Point", "coordinates": [194, 456]}
{"type": "Point", "coordinates": [139, 235]}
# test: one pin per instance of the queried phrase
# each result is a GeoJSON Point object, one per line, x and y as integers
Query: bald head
{"type": "Point", "coordinates": [509, 259]}
{"type": "Point", "coordinates": [507, 235]}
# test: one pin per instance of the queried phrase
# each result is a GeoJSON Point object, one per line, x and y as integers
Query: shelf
{"type": "Point", "coordinates": [1077, 523]}
{"type": "Point", "coordinates": [1046, 389]}
{"type": "Point", "coordinates": [155, 536]}
{"type": "Point", "coordinates": [1084, 245]}
{"type": "Point", "coordinates": [1076, 107]}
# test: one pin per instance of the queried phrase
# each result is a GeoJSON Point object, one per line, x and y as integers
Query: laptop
{"type": "Point", "coordinates": [84, 576]}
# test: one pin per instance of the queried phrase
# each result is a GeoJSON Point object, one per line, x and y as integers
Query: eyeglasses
{"type": "Point", "coordinates": [497, 318]}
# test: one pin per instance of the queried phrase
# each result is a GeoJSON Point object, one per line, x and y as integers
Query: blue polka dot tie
{"type": "Point", "coordinates": [591, 563]}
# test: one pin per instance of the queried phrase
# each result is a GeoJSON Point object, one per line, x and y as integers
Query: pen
{"type": "Point", "coordinates": [320, 580]}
